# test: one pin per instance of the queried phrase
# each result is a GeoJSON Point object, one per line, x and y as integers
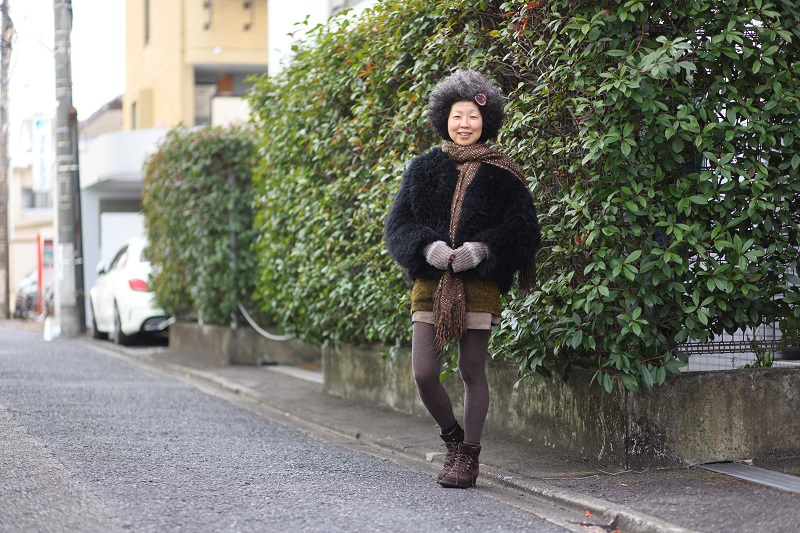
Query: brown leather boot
{"type": "Point", "coordinates": [451, 441]}
{"type": "Point", "coordinates": [465, 469]}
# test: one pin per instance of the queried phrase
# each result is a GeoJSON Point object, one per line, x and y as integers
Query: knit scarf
{"type": "Point", "coordinates": [449, 302]}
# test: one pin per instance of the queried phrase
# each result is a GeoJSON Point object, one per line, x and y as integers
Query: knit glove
{"type": "Point", "coordinates": [437, 254]}
{"type": "Point", "coordinates": [469, 255]}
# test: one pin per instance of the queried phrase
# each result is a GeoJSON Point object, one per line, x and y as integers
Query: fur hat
{"type": "Point", "coordinates": [466, 86]}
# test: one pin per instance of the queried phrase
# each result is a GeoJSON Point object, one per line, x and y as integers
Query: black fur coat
{"type": "Point", "coordinates": [498, 211]}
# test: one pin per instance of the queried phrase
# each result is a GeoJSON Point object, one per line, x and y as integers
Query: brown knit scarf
{"type": "Point", "coordinates": [449, 302]}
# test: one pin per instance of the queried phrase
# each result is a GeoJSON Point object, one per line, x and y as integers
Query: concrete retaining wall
{"type": "Point", "coordinates": [692, 418]}
{"type": "Point", "coordinates": [244, 346]}
{"type": "Point", "coordinates": [705, 417]}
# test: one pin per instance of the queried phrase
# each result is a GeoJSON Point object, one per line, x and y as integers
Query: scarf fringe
{"type": "Point", "coordinates": [449, 309]}
{"type": "Point", "coordinates": [527, 277]}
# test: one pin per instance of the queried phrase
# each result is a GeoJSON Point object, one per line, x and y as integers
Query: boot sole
{"type": "Point", "coordinates": [457, 485]}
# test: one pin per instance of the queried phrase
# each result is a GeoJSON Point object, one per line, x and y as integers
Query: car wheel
{"type": "Point", "coordinates": [119, 337]}
{"type": "Point", "coordinates": [96, 333]}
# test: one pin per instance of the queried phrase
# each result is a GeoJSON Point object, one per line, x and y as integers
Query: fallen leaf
{"type": "Point", "coordinates": [623, 484]}
{"type": "Point", "coordinates": [588, 513]}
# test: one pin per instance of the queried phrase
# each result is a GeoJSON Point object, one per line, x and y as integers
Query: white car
{"type": "Point", "coordinates": [121, 302]}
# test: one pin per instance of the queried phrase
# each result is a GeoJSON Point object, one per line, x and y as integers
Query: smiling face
{"type": "Point", "coordinates": [465, 124]}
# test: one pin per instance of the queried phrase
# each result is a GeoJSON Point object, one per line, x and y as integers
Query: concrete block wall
{"type": "Point", "coordinates": [691, 419]}
{"type": "Point", "coordinates": [242, 346]}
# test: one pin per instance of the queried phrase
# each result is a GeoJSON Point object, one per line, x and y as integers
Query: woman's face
{"type": "Point", "coordinates": [465, 123]}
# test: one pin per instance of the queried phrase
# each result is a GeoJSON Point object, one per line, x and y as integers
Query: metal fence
{"type": "Point", "coordinates": [728, 352]}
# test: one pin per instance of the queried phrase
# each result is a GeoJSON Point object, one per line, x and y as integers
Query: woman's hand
{"type": "Point", "coordinates": [469, 255]}
{"type": "Point", "coordinates": [438, 254]}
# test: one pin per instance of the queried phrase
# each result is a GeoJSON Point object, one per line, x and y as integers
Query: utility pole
{"type": "Point", "coordinates": [69, 300]}
{"type": "Point", "coordinates": [5, 58]}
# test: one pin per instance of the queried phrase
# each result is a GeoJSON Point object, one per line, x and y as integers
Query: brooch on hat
{"type": "Point", "coordinates": [480, 99]}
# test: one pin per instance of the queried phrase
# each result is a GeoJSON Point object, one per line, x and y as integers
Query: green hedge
{"type": "Point", "coordinates": [659, 140]}
{"type": "Point", "coordinates": [665, 149]}
{"type": "Point", "coordinates": [199, 219]}
{"type": "Point", "coordinates": [336, 129]}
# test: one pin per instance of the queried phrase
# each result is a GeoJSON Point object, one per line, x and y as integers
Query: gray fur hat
{"type": "Point", "coordinates": [466, 86]}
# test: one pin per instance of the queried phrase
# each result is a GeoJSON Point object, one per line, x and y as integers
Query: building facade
{"type": "Point", "coordinates": [187, 60]}
{"type": "Point", "coordinates": [30, 210]}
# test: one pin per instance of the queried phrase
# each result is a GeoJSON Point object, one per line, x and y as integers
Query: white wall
{"type": "Point", "coordinates": [115, 229]}
{"type": "Point", "coordinates": [281, 27]}
{"type": "Point", "coordinates": [228, 110]}
{"type": "Point", "coordinates": [361, 6]}
{"type": "Point", "coordinates": [118, 155]}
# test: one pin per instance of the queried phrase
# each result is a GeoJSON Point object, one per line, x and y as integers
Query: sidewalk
{"type": "Point", "coordinates": [692, 499]}
{"type": "Point", "coordinates": [605, 498]}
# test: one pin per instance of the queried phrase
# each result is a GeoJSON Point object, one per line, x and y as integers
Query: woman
{"type": "Point", "coordinates": [462, 224]}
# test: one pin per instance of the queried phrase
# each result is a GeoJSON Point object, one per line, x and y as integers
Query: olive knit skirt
{"type": "Point", "coordinates": [483, 302]}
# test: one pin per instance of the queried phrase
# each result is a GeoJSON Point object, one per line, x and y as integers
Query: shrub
{"type": "Point", "coordinates": [196, 197]}
{"type": "Point", "coordinates": [662, 138]}
{"type": "Point", "coordinates": [659, 140]}
{"type": "Point", "coordinates": [336, 129]}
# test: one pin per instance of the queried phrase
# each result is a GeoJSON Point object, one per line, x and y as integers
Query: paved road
{"type": "Point", "coordinates": [91, 442]}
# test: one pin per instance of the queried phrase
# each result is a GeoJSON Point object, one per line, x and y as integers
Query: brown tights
{"type": "Point", "coordinates": [426, 363]}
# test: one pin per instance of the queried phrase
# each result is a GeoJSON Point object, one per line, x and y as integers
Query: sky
{"type": "Point", "coordinates": [98, 57]}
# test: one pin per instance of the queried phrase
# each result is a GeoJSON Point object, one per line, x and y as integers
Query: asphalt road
{"type": "Point", "coordinates": [91, 442]}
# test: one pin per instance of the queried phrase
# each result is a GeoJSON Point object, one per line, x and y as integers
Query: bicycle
{"type": "Point", "coordinates": [36, 312]}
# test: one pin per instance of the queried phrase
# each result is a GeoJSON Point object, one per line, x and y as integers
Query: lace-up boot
{"type": "Point", "coordinates": [451, 439]}
{"type": "Point", "coordinates": [465, 469]}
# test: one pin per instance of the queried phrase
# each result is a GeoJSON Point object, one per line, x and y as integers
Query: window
{"type": "Point", "coordinates": [202, 103]}
{"type": "Point", "coordinates": [31, 199]}
{"type": "Point", "coordinates": [28, 198]}
{"type": "Point", "coordinates": [134, 124]}
{"type": "Point", "coordinates": [41, 200]}
{"type": "Point", "coordinates": [120, 259]}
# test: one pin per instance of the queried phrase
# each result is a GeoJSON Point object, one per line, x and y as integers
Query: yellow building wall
{"type": "Point", "coordinates": [226, 41]}
{"type": "Point", "coordinates": [183, 35]}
